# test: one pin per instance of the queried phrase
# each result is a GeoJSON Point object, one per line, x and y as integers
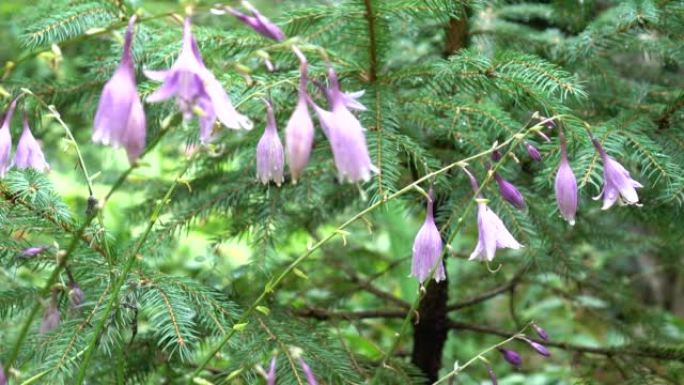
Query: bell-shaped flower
{"type": "Point", "coordinates": [299, 132]}
{"type": "Point", "coordinates": [196, 90]}
{"type": "Point", "coordinates": [346, 137]}
{"type": "Point", "coordinates": [51, 317]}
{"type": "Point", "coordinates": [6, 139]}
{"type": "Point", "coordinates": [271, 375]}
{"type": "Point", "coordinates": [29, 154]}
{"type": "Point", "coordinates": [120, 118]}
{"type": "Point", "coordinates": [427, 249]}
{"type": "Point", "coordinates": [492, 235]}
{"type": "Point", "coordinates": [509, 192]}
{"type": "Point", "coordinates": [258, 22]}
{"type": "Point", "coordinates": [566, 187]}
{"type": "Point", "coordinates": [618, 185]}
{"type": "Point", "coordinates": [533, 152]}
{"type": "Point", "coordinates": [308, 373]}
{"type": "Point", "coordinates": [511, 356]}
{"type": "Point", "coordinates": [270, 157]}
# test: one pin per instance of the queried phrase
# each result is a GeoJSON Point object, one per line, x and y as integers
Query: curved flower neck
{"type": "Point", "coordinates": [473, 182]}
{"type": "Point", "coordinates": [127, 56]}
{"type": "Point", "coordinates": [599, 148]}
{"type": "Point", "coordinates": [430, 212]}
{"type": "Point", "coordinates": [270, 118]}
{"type": "Point", "coordinates": [7, 118]}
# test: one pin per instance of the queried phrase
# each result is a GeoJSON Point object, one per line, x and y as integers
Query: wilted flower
{"type": "Point", "coordinates": [492, 375]}
{"type": "Point", "coordinates": [310, 378]}
{"type": "Point", "coordinates": [539, 348]}
{"type": "Point", "coordinates": [51, 317]}
{"type": "Point", "coordinates": [6, 139]}
{"type": "Point", "coordinates": [566, 186]}
{"type": "Point", "coordinates": [509, 192]}
{"type": "Point", "coordinates": [511, 356]}
{"type": "Point", "coordinates": [120, 118]}
{"type": "Point", "coordinates": [346, 136]}
{"type": "Point", "coordinates": [533, 152]}
{"type": "Point", "coordinates": [32, 251]}
{"type": "Point", "coordinates": [196, 90]}
{"type": "Point", "coordinates": [271, 375]}
{"type": "Point", "coordinates": [269, 152]}
{"type": "Point", "coordinates": [618, 185]}
{"type": "Point", "coordinates": [258, 22]}
{"type": "Point", "coordinates": [29, 154]}
{"type": "Point", "coordinates": [299, 132]}
{"type": "Point", "coordinates": [427, 249]}
{"type": "Point", "coordinates": [541, 332]}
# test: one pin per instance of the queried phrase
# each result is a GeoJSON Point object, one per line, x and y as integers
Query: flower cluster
{"type": "Point", "coordinates": [28, 153]}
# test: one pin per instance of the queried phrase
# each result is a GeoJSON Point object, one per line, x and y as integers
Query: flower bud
{"type": "Point", "coordinates": [539, 348]}
{"type": "Point", "coordinates": [540, 332]}
{"type": "Point", "coordinates": [511, 356]}
{"type": "Point", "coordinates": [533, 152]}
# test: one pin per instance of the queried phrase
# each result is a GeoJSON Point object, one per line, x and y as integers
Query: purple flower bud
{"type": "Point", "coordinates": [310, 378]}
{"type": "Point", "coordinates": [496, 155]}
{"type": "Point", "coordinates": [120, 118]}
{"type": "Point", "coordinates": [541, 332]}
{"type": "Point", "coordinates": [6, 139]}
{"type": "Point", "coordinates": [196, 90]}
{"type": "Point", "coordinates": [51, 317]}
{"type": "Point", "coordinates": [32, 251]}
{"type": "Point", "coordinates": [566, 187]}
{"type": "Point", "coordinates": [509, 192]}
{"type": "Point", "coordinates": [299, 132]}
{"type": "Point", "coordinates": [258, 22]}
{"type": "Point", "coordinates": [539, 348]}
{"type": "Point", "coordinates": [492, 375]}
{"type": "Point", "coordinates": [29, 154]}
{"type": "Point", "coordinates": [270, 158]}
{"type": "Point", "coordinates": [271, 375]}
{"type": "Point", "coordinates": [346, 136]}
{"type": "Point", "coordinates": [3, 378]}
{"type": "Point", "coordinates": [618, 185]}
{"type": "Point", "coordinates": [427, 249]}
{"type": "Point", "coordinates": [511, 356]}
{"type": "Point", "coordinates": [533, 152]}
{"type": "Point", "coordinates": [76, 295]}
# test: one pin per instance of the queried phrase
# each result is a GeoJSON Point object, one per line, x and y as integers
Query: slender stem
{"type": "Point", "coordinates": [124, 274]}
{"type": "Point", "coordinates": [272, 284]}
{"type": "Point", "coordinates": [460, 368]}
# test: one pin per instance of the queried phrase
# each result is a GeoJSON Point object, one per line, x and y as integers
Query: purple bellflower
{"type": "Point", "coordinates": [271, 375]}
{"type": "Point", "coordinates": [196, 90]}
{"type": "Point", "coordinates": [509, 192]}
{"type": "Point", "coordinates": [566, 186]}
{"type": "Point", "coordinates": [427, 248]}
{"type": "Point", "coordinates": [492, 233]}
{"type": "Point", "coordinates": [350, 99]}
{"type": "Point", "coordinates": [32, 251]}
{"type": "Point", "coordinates": [310, 378]}
{"type": "Point", "coordinates": [120, 118]}
{"type": "Point", "coordinates": [346, 136]}
{"type": "Point", "coordinates": [76, 295]}
{"type": "Point", "coordinates": [618, 185]}
{"type": "Point", "coordinates": [539, 348]}
{"type": "Point", "coordinates": [258, 22]}
{"type": "Point", "coordinates": [270, 157]}
{"type": "Point", "coordinates": [299, 132]}
{"type": "Point", "coordinates": [51, 316]}
{"type": "Point", "coordinates": [533, 152]}
{"type": "Point", "coordinates": [511, 356]}
{"type": "Point", "coordinates": [29, 153]}
{"type": "Point", "coordinates": [6, 139]}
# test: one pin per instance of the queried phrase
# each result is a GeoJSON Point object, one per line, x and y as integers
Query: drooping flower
{"type": "Point", "coordinates": [270, 158]}
{"type": "Point", "coordinates": [51, 317]}
{"type": "Point", "coordinates": [258, 22]}
{"type": "Point", "coordinates": [492, 233]}
{"type": "Point", "coordinates": [350, 99]}
{"type": "Point", "coordinates": [539, 348]}
{"type": "Point", "coordinates": [32, 251]}
{"type": "Point", "coordinates": [76, 295]}
{"type": "Point", "coordinates": [427, 248]}
{"type": "Point", "coordinates": [120, 118]}
{"type": "Point", "coordinates": [346, 136]}
{"type": "Point", "coordinates": [271, 375]}
{"type": "Point", "coordinates": [6, 139]}
{"type": "Point", "coordinates": [566, 186]}
{"type": "Point", "coordinates": [29, 154]}
{"type": "Point", "coordinates": [196, 90]}
{"type": "Point", "coordinates": [509, 192]}
{"type": "Point", "coordinates": [511, 356]}
{"type": "Point", "coordinates": [540, 332]}
{"type": "Point", "coordinates": [310, 378]}
{"type": "Point", "coordinates": [533, 152]}
{"type": "Point", "coordinates": [299, 132]}
{"type": "Point", "coordinates": [618, 185]}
